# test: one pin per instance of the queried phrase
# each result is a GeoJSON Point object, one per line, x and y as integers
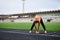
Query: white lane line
{"type": "Point", "coordinates": [51, 35]}
{"type": "Point", "coordinates": [15, 32]}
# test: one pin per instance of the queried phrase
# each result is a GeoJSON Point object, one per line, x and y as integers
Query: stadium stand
{"type": "Point", "coordinates": [48, 16]}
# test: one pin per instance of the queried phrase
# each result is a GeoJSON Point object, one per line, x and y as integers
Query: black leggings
{"type": "Point", "coordinates": [41, 24]}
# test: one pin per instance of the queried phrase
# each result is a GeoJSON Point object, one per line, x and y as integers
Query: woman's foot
{"type": "Point", "coordinates": [30, 31]}
{"type": "Point", "coordinates": [45, 32]}
{"type": "Point", "coordinates": [37, 32]}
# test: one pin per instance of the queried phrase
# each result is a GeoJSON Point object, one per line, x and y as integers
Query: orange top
{"type": "Point", "coordinates": [37, 18]}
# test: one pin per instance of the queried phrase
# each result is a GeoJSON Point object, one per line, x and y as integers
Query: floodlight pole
{"type": "Point", "coordinates": [23, 3]}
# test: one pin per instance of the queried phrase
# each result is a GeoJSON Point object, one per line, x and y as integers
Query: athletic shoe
{"type": "Point", "coordinates": [30, 31]}
{"type": "Point", "coordinates": [45, 32]}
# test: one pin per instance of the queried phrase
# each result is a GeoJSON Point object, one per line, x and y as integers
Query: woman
{"type": "Point", "coordinates": [38, 19]}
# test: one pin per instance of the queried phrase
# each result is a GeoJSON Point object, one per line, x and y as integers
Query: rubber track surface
{"type": "Point", "coordinates": [15, 34]}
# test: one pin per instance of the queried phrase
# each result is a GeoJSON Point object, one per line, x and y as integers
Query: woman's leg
{"type": "Point", "coordinates": [37, 31]}
{"type": "Point", "coordinates": [43, 26]}
{"type": "Point", "coordinates": [35, 27]}
{"type": "Point", "coordinates": [32, 26]}
{"type": "Point", "coordinates": [38, 26]}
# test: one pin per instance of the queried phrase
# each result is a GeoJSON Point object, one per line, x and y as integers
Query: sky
{"type": "Point", "coordinates": [15, 6]}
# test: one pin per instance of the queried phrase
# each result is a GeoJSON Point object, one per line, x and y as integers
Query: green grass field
{"type": "Point", "coordinates": [50, 26]}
